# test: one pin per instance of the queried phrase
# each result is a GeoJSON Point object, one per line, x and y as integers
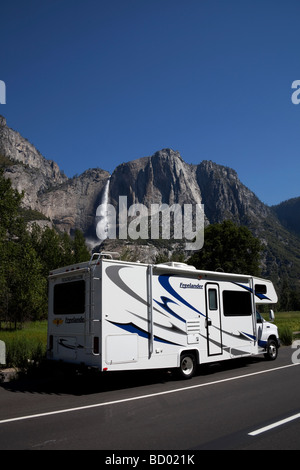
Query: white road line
{"type": "Point", "coordinates": [274, 425]}
{"type": "Point", "coordinates": [141, 397]}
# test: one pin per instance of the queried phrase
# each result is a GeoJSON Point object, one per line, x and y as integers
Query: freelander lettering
{"type": "Point", "coordinates": [75, 320]}
{"type": "Point", "coordinates": [190, 286]}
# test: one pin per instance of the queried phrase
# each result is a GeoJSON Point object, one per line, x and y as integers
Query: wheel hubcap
{"type": "Point", "coordinates": [187, 365]}
{"type": "Point", "coordinates": [272, 350]}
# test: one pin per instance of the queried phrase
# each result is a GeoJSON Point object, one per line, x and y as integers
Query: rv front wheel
{"type": "Point", "coordinates": [187, 366]}
{"type": "Point", "coordinates": [272, 350]}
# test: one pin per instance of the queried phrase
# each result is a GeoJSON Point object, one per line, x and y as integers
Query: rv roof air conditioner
{"type": "Point", "coordinates": [175, 264]}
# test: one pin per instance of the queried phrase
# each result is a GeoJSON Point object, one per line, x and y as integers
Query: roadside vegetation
{"type": "Point", "coordinates": [288, 324]}
{"type": "Point", "coordinates": [25, 346]}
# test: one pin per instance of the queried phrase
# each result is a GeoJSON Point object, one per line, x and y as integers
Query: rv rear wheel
{"type": "Point", "coordinates": [272, 350]}
{"type": "Point", "coordinates": [187, 366]}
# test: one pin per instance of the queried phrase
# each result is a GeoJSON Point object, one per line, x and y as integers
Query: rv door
{"type": "Point", "coordinates": [69, 317]}
{"type": "Point", "coordinates": [213, 320]}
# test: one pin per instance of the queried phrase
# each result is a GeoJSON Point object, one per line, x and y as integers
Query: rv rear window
{"type": "Point", "coordinates": [237, 303]}
{"type": "Point", "coordinates": [69, 298]}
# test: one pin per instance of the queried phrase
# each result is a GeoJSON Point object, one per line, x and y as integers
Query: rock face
{"type": "Point", "coordinates": [225, 197]}
{"type": "Point", "coordinates": [29, 171]}
{"type": "Point", "coordinates": [19, 150]}
{"type": "Point", "coordinates": [69, 203]}
{"type": "Point", "coordinates": [166, 178]}
{"type": "Point", "coordinates": [163, 178]}
{"type": "Point", "coordinates": [72, 204]}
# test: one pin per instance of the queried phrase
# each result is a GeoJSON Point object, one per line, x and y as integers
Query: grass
{"type": "Point", "coordinates": [288, 324]}
{"type": "Point", "coordinates": [26, 347]}
{"type": "Point", "coordinates": [290, 319]}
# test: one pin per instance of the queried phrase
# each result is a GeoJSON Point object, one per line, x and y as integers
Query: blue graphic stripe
{"type": "Point", "coordinates": [260, 296]}
{"type": "Point", "coordinates": [249, 336]}
{"type": "Point", "coordinates": [164, 305]}
{"type": "Point", "coordinates": [164, 280]}
{"type": "Point", "coordinates": [131, 328]}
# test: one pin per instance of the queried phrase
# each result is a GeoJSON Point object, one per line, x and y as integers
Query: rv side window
{"type": "Point", "coordinates": [260, 289]}
{"type": "Point", "coordinates": [212, 299]}
{"type": "Point", "coordinates": [237, 303]}
{"type": "Point", "coordinates": [69, 298]}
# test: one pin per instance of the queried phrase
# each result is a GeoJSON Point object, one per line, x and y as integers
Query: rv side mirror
{"type": "Point", "coordinates": [271, 315]}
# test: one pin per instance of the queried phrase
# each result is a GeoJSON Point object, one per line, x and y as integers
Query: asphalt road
{"type": "Point", "coordinates": [238, 404]}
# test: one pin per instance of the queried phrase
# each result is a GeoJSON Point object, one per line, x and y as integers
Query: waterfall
{"type": "Point", "coordinates": [102, 216]}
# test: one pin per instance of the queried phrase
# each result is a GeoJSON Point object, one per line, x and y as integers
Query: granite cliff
{"type": "Point", "coordinates": [68, 203]}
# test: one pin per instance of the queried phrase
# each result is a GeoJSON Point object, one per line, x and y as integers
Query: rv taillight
{"type": "Point", "coordinates": [96, 345]}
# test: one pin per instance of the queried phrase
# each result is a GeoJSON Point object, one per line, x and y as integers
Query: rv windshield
{"type": "Point", "coordinates": [259, 318]}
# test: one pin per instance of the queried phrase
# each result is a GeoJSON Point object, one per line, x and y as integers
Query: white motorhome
{"type": "Point", "coordinates": [117, 315]}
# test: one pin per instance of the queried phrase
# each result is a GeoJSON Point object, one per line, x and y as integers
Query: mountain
{"type": "Point", "coordinates": [163, 178]}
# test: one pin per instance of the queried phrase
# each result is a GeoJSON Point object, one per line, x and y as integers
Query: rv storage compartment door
{"type": "Point", "coordinates": [193, 331]}
{"type": "Point", "coordinates": [121, 349]}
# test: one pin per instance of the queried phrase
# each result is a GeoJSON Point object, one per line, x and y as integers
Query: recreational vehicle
{"type": "Point", "coordinates": [117, 315]}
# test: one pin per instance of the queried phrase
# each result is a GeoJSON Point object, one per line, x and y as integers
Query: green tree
{"type": "Point", "coordinates": [230, 248]}
{"type": "Point", "coordinates": [56, 250]}
{"type": "Point", "coordinates": [21, 283]}
{"type": "Point", "coordinates": [80, 250]}
{"type": "Point", "coordinates": [4, 290]}
{"type": "Point", "coordinates": [10, 222]}
{"type": "Point", "coordinates": [26, 284]}
{"type": "Point", "coordinates": [48, 247]}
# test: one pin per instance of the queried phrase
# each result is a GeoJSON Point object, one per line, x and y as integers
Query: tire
{"type": "Point", "coordinates": [187, 366]}
{"type": "Point", "coordinates": [272, 350]}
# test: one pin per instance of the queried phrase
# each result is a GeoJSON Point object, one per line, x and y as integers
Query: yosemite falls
{"type": "Point", "coordinates": [102, 215]}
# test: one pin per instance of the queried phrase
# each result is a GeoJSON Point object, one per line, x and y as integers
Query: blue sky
{"type": "Point", "coordinates": [94, 83]}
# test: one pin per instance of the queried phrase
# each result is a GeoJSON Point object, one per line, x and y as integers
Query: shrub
{"type": "Point", "coordinates": [21, 353]}
{"type": "Point", "coordinates": [286, 335]}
